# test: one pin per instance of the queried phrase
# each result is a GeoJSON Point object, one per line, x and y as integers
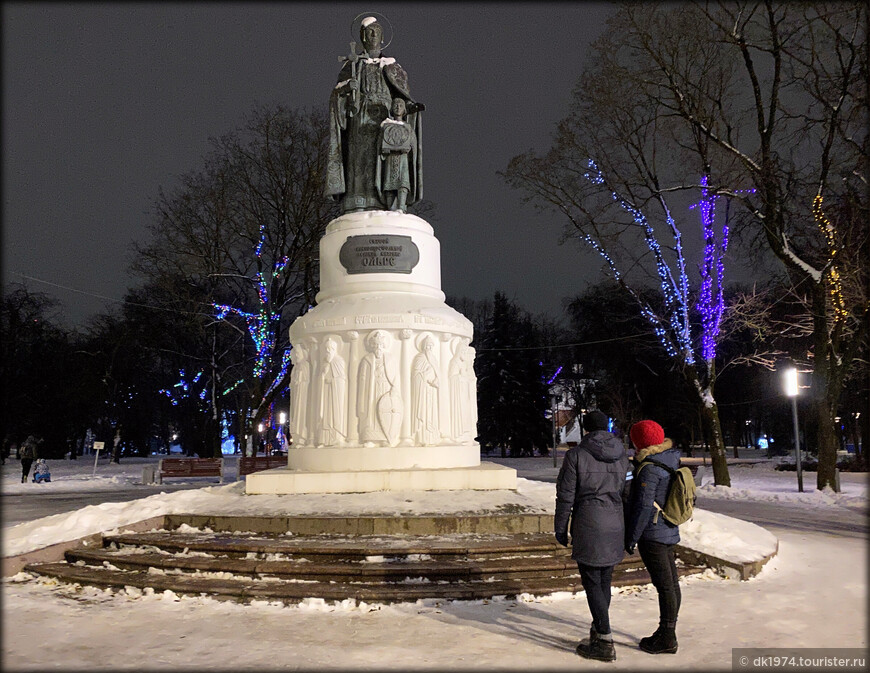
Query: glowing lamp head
{"type": "Point", "coordinates": [260, 427]}
{"type": "Point", "coordinates": [282, 418]}
{"type": "Point", "coordinates": [791, 382]}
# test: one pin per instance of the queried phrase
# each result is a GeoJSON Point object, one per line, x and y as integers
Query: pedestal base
{"type": "Point", "coordinates": [376, 458]}
{"type": "Point", "coordinates": [283, 480]}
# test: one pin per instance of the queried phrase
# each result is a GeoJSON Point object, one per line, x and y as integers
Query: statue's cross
{"type": "Point", "coordinates": [353, 58]}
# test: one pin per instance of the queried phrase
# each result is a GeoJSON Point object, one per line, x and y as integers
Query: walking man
{"type": "Point", "coordinates": [589, 501]}
{"type": "Point", "coordinates": [29, 452]}
{"type": "Point", "coordinates": [653, 535]}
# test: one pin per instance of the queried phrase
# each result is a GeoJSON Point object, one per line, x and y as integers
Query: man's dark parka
{"type": "Point", "coordinates": [589, 492]}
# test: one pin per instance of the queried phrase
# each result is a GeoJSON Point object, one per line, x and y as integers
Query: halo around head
{"type": "Point", "coordinates": [364, 20]}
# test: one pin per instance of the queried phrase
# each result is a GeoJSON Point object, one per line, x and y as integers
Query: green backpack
{"type": "Point", "coordinates": [680, 501]}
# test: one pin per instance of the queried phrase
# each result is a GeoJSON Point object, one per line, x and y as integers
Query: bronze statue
{"type": "Point", "coordinates": [359, 123]}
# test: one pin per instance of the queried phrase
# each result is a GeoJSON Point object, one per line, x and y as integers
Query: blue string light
{"type": "Point", "coordinates": [676, 338]}
{"type": "Point", "coordinates": [263, 324]}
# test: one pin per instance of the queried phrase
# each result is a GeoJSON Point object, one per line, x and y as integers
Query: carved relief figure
{"type": "Point", "coordinates": [373, 383]}
{"type": "Point", "coordinates": [300, 379]}
{"type": "Point", "coordinates": [460, 410]}
{"type": "Point", "coordinates": [362, 99]}
{"type": "Point", "coordinates": [333, 397]}
{"type": "Point", "coordinates": [424, 393]}
{"type": "Point", "coordinates": [469, 389]}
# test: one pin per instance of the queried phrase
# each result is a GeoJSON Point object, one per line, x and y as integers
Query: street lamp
{"type": "Point", "coordinates": [791, 390]}
{"type": "Point", "coordinates": [282, 419]}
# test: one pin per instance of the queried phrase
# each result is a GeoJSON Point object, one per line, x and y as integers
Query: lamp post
{"type": "Point", "coordinates": [791, 390]}
{"type": "Point", "coordinates": [282, 419]}
{"type": "Point", "coordinates": [555, 443]}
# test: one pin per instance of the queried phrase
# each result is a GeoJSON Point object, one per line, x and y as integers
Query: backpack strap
{"type": "Point", "coordinates": [659, 464]}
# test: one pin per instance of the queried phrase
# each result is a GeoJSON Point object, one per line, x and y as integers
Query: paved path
{"type": "Point", "coordinates": [18, 508]}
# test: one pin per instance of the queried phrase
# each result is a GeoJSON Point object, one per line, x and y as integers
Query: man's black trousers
{"type": "Point", "coordinates": [596, 583]}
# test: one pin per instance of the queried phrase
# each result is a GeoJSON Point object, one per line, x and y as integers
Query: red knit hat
{"type": "Point", "coordinates": [646, 433]}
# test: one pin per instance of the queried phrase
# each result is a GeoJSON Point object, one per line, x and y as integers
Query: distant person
{"type": "Point", "coordinates": [29, 452]}
{"type": "Point", "coordinates": [651, 533]}
{"type": "Point", "coordinates": [10, 446]}
{"type": "Point", "coordinates": [592, 484]}
{"type": "Point", "coordinates": [116, 447]}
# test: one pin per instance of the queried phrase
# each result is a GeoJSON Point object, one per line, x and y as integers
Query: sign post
{"type": "Point", "coordinates": [97, 448]}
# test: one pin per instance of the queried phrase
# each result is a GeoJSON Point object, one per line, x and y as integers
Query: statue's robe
{"type": "Point", "coordinates": [424, 401]}
{"type": "Point", "coordinates": [352, 163]}
{"type": "Point", "coordinates": [333, 401]}
{"type": "Point", "coordinates": [372, 384]}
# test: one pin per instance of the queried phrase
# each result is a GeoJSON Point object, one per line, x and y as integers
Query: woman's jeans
{"type": "Point", "coordinates": [659, 561]}
{"type": "Point", "coordinates": [596, 583]}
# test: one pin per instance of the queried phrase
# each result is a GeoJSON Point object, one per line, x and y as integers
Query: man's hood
{"type": "Point", "coordinates": [603, 446]}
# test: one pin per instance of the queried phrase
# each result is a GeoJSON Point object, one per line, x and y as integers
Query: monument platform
{"type": "Point", "coordinates": [283, 480]}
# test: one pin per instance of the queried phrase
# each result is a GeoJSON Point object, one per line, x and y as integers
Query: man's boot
{"type": "Point", "coordinates": [600, 647]}
{"type": "Point", "coordinates": [663, 641]}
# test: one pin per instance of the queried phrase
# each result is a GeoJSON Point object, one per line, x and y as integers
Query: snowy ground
{"type": "Point", "coordinates": [813, 594]}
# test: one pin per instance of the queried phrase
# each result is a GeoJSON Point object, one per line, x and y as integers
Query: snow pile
{"type": "Point", "coordinates": [726, 538]}
{"type": "Point", "coordinates": [761, 482]}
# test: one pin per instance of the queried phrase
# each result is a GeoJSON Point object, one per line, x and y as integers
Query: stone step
{"type": "Point", "coordinates": [336, 546]}
{"type": "Point", "coordinates": [380, 568]}
{"type": "Point", "coordinates": [243, 589]}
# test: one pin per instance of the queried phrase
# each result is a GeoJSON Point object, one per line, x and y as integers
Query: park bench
{"type": "Point", "coordinates": [248, 464]}
{"type": "Point", "coordinates": [188, 467]}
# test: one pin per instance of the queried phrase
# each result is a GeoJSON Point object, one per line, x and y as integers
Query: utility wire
{"type": "Point", "coordinates": [579, 343]}
{"type": "Point", "coordinates": [116, 301]}
{"type": "Point", "coordinates": [172, 310]}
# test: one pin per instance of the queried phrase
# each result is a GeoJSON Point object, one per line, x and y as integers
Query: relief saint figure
{"type": "Point", "coordinates": [367, 85]}
{"type": "Point", "coordinates": [460, 383]}
{"type": "Point", "coordinates": [300, 379]}
{"type": "Point", "coordinates": [373, 384]}
{"type": "Point", "coordinates": [424, 394]}
{"type": "Point", "coordinates": [333, 398]}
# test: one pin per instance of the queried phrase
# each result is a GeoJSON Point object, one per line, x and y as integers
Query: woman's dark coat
{"type": "Point", "coordinates": [651, 484]}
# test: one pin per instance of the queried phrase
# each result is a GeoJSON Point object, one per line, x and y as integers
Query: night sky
{"type": "Point", "coordinates": [105, 103]}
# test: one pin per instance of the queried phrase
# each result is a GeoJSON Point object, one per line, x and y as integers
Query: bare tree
{"type": "Point", "coordinates": [239, 238]}
{"type": "Point", "coordinates": [769, 102]}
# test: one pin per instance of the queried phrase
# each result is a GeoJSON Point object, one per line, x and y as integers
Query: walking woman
{"type": "Point", "coordinates": [650, 532]}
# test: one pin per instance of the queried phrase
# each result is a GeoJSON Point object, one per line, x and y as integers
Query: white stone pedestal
{"type": "Point", "coordinates": [383, 391]}
{"type": "Point", "coordinates": [483, 477]}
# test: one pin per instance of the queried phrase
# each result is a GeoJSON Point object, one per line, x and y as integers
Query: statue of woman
{"type": "Point", "coordinates": [362, 99]}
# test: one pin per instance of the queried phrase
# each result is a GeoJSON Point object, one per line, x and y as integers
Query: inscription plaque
{"type": "Point", "coordinates": [381, 253]}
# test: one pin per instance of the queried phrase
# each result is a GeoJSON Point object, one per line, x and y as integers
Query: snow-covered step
{"type": "Point", "coordinates": [245, 589]}
{"type": "Point", "coordinates": [328, 546]}
{"type": "Point", "coordinates": [372, 568]}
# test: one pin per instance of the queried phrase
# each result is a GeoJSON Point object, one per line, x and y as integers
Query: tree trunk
{"type": "Point", "coordinates": [712, 427]}
{"type": "Point", "coordinates": [710, 418]}
{"type": "Point", "coordinates": [823, 408]}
